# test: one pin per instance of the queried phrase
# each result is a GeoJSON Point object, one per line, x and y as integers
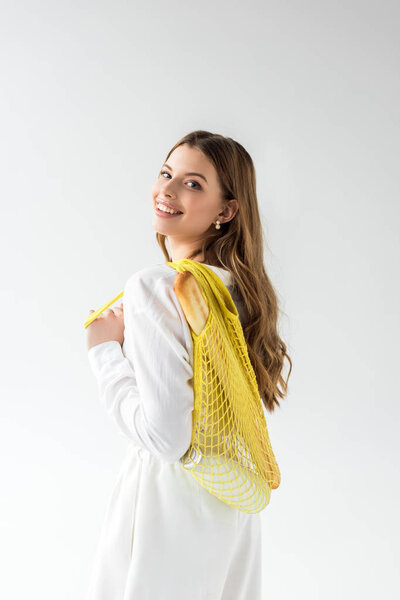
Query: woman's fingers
{"type": "Point", "coordinates": [108, 311]}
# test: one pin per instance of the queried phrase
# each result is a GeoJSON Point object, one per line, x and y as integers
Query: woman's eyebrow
{"type": "Point", "coordinates": [198, 174]}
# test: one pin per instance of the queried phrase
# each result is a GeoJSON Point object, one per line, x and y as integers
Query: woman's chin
{"type": "Point", "coordinates": [162, 226]}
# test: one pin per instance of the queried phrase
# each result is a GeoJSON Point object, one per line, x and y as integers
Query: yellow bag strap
{"type": "Point", "coordinates": [98, 312]}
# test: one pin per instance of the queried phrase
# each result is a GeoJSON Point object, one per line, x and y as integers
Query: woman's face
{"type": "Point", "coordinates": [197, 198]}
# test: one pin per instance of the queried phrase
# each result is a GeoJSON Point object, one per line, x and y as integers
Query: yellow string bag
{"type": "Point", "coordinates": [230, 453]}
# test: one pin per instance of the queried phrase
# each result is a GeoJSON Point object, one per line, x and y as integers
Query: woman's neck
{"type": "Point", "coordinates": [212, 262]}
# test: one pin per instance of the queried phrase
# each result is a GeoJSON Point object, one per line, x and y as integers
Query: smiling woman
{"type": "Point", "coordinates": [165, 535]}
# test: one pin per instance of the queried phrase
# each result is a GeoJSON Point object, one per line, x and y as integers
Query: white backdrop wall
{"type": "Point", "coordinates": [93, 95]}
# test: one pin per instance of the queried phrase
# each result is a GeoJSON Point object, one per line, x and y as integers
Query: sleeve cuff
{"type": "Point", "coordinates": [102, 354]}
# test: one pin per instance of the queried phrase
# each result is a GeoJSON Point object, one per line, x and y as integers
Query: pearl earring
{"type": "Point", "coordinates": [218, 224]}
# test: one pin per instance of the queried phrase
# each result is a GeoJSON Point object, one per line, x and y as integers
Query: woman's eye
{"type": "Point", "coordinates": [163, 172]}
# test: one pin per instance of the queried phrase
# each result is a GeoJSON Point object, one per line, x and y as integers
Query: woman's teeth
{"type": "Point", "coordinates": [168, 210]}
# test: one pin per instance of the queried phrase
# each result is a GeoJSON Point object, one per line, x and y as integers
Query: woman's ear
{"type": "Point", "coordinates": [230, 210]}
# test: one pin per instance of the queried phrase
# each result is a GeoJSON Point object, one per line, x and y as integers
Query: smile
{"type": "Point", "coordinates": [165, 212]}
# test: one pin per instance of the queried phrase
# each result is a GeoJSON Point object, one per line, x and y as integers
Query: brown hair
{"type": "Point", "coordinates": [238, 247]}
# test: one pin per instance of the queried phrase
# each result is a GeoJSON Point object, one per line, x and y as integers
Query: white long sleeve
{"type": "Point", "coordinates": [147, 385]}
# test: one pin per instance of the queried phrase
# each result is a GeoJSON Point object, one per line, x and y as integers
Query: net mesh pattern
{"type": "Point", "coordinates": [230, 453]}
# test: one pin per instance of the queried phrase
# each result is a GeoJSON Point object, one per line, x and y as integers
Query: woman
{"type": "Point", "coordinates": [165, 537]}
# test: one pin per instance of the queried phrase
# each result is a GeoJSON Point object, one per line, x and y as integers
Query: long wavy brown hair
{"type": "Point", "coordinates": [238, 247]}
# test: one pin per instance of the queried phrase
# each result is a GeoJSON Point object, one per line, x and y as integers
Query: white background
{"type": "Point", "coordinates": [93, 95]}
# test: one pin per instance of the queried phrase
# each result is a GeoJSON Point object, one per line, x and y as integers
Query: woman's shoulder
{"type": "Point", "coordinates": [144, 283]}
{"type": "Point", "coordinates": [151, 274]}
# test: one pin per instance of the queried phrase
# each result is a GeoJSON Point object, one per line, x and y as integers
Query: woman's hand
{"type": "Point", "coordinates": [109, 325]}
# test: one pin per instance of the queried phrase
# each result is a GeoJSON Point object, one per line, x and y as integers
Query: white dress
{"type": "Point", "coordinates": [164, 536]}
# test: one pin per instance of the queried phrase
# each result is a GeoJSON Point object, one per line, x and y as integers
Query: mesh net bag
{"type": "Point", "coordinates": [230, 453]}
